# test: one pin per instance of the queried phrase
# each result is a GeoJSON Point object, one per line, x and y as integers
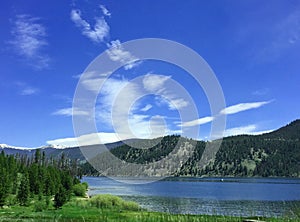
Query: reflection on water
{"type": "Point", "coordinates": [230, 196]}
{"type": "Point", "coordinates": [215, 207]}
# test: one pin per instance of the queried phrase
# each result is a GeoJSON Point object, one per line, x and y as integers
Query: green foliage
{"type": "Point", "coordinates": [23, 179]}
{"type": "Point", "coordinates": [60, 197]}
{"type": "Point", "coordinates": [11, 200]}
{"type": "Point", "coordinates": [110, 201]}
{"type": "Point", "coordinates": [274, 154]}
{"type": "Point", "coordinates": [72, 212]}
{"type": "Point", "coordinates": [39, 206]}
{"type": "Point", "coordinates": [85, 184]}
{"type": "Point", "coordinates": [24, 191]}
{"type": "Point", "coordinates": [79, 190]}
{"type": "Point", "coordinates": [148, 151]}
{"type": "Point", "coordinates": [4, 186]}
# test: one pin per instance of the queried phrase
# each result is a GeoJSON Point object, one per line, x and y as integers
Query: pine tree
{"type": "Point", "coordinates": [60, 198]}
{"type": "Point", "coordinates": [4, 186]}
{"type": "Point", "coordinates": [24, 192]}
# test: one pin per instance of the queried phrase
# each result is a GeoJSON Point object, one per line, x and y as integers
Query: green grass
{"type": "Point", "coordinates": [108, 208]}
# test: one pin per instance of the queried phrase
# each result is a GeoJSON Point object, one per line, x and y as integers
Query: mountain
{"type": "Point", "coordinates": [56, 150]}
{"type": "Point", "coordinates": [275, 154]}
{"type": "Point", "coordinates": [288, 132]}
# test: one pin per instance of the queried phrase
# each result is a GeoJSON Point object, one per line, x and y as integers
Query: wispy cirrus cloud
{"type": "Point", "coordinates": [146, 108]}
{"type": "Point", "coordinates": [242, 107]}
{"type": "Point", "coordinates": [226, 111]}
{"type": "Point", "coordinates": [29, 91]}
{"type": "Point", "coordinates": [105, 11]}
{"type": "Point", "coordinates": [29, 40]}
{"type": "Point", "coordinates": [197, 122]}
{"type": "Point", "coordinates": [85, 140]}
{"type": "Point", "coordinates": [261, 92]}
{"type": "Point", "coordinates": [154, 83]}
{"type": "Point", "coordinates": [163, 86]}
{"type": "Point", "coordinates": [71, 112]}
{"type": "Point", "coordinates": [25, 89]}
{"type": "Point", "coordinates": [248, 130]}
{"type": "Point", "coordinates": [116, 52]}
{"type": "Point", "coordinates": [97, 33]}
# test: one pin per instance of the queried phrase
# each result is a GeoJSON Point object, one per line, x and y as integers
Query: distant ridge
{"type": "Point", "coordinates": [274, 154]}
{"type": "Point", "coordinates": [289, 132]}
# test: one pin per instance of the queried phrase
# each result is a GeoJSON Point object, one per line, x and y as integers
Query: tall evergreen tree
{"type": "Point", "coordinates": [60, 197]}
{"type": "Point", "coordinates": [4, 186]}
{"type": "Point", "coordinates": [24, 192]}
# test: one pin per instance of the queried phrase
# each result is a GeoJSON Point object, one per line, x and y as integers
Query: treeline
{"type": "Point", "coordinates": [246, 156]}
{"type": "Point", "coordinates": [24, 179]}
{"type": "Point", "coordinates": [274, 154]}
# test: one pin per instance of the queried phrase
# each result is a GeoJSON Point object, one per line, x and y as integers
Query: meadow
{"type": "Point", "coordinates": [108, 208]}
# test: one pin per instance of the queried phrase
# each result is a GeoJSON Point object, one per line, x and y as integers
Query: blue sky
{"type": "Point", "coordinates": [252, 46]}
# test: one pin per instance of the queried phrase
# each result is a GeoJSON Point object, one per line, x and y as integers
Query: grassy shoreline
{"type": "Point", "coordinates": [110, 208]}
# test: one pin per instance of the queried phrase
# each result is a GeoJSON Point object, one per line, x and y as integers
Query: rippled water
{"type": "Point", "coordinates": [228, 196]}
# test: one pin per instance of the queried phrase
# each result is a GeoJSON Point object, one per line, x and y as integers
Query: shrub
{"type": "Point", "coordinates": [105, 201]}
{"type": "Point", "coordinates": [60, 198]}
{"type": "Point", "coordinates": [82, 203]}
{"type": "Point", "coordinates": [110, 201]}
{"type": "Point", "coordinates": [39, 206]}
{"type": "Point", "coordinates": [79, 190]}
{"type": "Point", "coordinates": [11, 200]}
{"type": "Point", "coordinates": [131, 205]}
{"type": "Point", "coordinates": [85, 184]}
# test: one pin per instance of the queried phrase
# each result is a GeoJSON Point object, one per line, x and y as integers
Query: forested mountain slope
{"type": "Point", "coordinates": [272, 154]}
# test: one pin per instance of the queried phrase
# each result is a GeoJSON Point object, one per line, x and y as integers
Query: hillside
{"type": "Point", "coordinates": [268, 155]}
{"type": "Point", "coordinates": [271, 154]}
{"type": "Point", "coordinates": [54, 152]}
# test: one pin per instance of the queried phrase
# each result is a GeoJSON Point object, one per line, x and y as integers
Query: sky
{"type": "Point", "coordinates": [253, 47]}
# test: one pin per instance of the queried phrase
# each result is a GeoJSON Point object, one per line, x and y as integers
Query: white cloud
{"type": "Point", "coordinates": [29, 91]}
{"type": "Point", "coordinates": [71, 112]}
{"type": "Point", "coordinates": [242, 107]}
{"type": "Point", "coordinates": [85, 140]}
{"type": "Point", "coordinates": [240, 130]}
{"type": "Point", "coordinates": [115, 98]}
{"type": "Point", "coordinates": [118, 108]}
{"type": "Point", "coordinates": [261, 132]}
{"type": "Point", "coordinates": [169, 93]}
{"type": "Point", "coordinates": [116, 52]}
{"type": "Point", "coordinates": [261, 92]}
{"type": "Point", "coordinates": [97, 34]}
{"type": "Point", "coordinates": [29, 38]}
{"type": "Point", "coordinates": [146, 108]}
{"type": "Point", "coordinates": [25, 89]}
{"type": "Point", "coordinates": [177, 104]}
{"type": "Point", "coordinates": [105, 10]}
{"type": "Point", "coordinates": [154, 83]}
{"type": "Point", "coordinates": [227, 111]}
{"type": "Point", "coordinates": [249, 130]}
{"type": "Point", "coordinates": [196, 122]}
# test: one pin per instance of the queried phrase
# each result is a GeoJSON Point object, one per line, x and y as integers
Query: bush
{"type": "Point", "coordinates": [39, 206]}
{"type": "Point", "coordinates": [11, 200]}
{"type": "Point", "coordinates": [85, 184]}
{"type": "Point", "coordinates": [82, 203]}
{"type": "Point", "coordinates": [105, 201]}
{"type": "Point", "coordinates": [131, 205]}
{"type": "Point", "coordinates": [110, 201]}
{"type": "Point", "coordinates": [60, 198]}
{"type": "Point", "coordinates": [79, 190]}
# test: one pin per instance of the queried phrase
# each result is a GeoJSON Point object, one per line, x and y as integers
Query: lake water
{"type": "Point", "coordinates": [228, 196]}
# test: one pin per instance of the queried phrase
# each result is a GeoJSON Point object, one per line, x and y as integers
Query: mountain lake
{"type": "Point", "coordinates": [270, 197]}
